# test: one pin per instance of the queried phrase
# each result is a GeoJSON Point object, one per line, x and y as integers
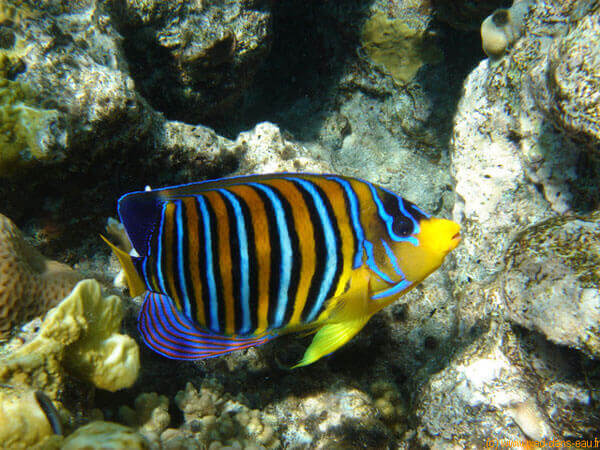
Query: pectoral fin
{"type": "Point", "coordinates": [349, 314]}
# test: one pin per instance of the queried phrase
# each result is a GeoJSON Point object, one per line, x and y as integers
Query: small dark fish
{"type": "Point", "coordinates": [235, 262]}
{"type": "Point", "coordinates": [50, 411]}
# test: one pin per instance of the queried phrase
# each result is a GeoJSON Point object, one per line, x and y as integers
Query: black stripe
{"type": "Point", "coordinates": [320, 252]}
{"type": "Point", "coordinates": [348, 209]}
{"type": "Point", "coordinates": [338, 245]}
{"type": "Point", "coordinates": [252, 264]}
{"type": "Point", "coordinates": [296, 255]}
{"type": "Point", "coordinates": [189, 287]}
{"type": "Point", "coordinates": [200, 259]}
{"type": "Point", "coordinates": [275, 254]}
{"type": "Point", "coordinates": [216, 267]}
{"type": "Point", "coordinates": [236, 256]}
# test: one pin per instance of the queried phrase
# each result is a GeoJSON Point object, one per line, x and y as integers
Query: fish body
{"type": "Point", "coordinates": [235, 262]}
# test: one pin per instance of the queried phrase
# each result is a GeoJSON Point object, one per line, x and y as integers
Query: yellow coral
{"type": "Point", "coordinates": [105, 436]}
{"type": "Point", "coordinates": [399, 48]}
{"type": "Point", "coordinates": [79, 336]}
{"type": "Point", "coordinates": [22, 420]}
{"type": "Point", "coordinates": [29, 283]}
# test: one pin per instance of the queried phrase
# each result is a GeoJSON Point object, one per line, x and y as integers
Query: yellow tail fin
{"type": "Point", "coordinates": [134, 282]}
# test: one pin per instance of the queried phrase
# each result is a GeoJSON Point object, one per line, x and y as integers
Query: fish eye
{"type": "Point", "coordinates": [402, 225]}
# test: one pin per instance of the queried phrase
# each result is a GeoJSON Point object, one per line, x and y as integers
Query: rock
{"type": "Point", "coordinates": [484, 395]}
{"type": "Point", "coordinates": [265, 150]}
{"type": "Point", "coordinates": [465, 14]}
{"type": "Point", "coordinates": [78, 337]}
{"type": "Point", "coordinates": [551, 283]}
{"type": "Point", "coordinates": [568, 82]}
{"type": "Point", "coordinates": [150, 416]}
{"type": "Point", "coordinates": [30, 284]}
{"type": "Point", "coordinates": [104, 436]}
{"type": "Point", "coordinates": [193, 60]}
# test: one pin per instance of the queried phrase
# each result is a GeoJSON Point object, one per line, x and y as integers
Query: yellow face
{"type": "Point", "coordinates": [437, 238]}
{"type": "Point", "coordinates": [408, 262]}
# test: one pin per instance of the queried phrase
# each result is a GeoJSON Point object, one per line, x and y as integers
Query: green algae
{"type": "Point", "coordinates": [399, 48]}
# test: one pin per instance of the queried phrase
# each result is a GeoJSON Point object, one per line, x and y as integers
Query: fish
{"type": "Point", "coordinates": [235, 262]}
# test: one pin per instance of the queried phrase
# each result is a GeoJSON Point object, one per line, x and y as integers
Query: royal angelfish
{"type": "Point", "coordinates": [235, 262]}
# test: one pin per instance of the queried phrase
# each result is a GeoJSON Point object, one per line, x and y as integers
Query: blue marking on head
{"type": "Point", "coordinates": [396, 289]}
{"type": "Point", "coordinates": [389, 220]}
{"type": "Point", "coordinates": [392, 257]}
{"type": "Point", "coordinates": [373, 265]}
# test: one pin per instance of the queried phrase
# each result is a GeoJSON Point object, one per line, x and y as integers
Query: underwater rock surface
{"type": "Point", "coordinates": [102, 97]}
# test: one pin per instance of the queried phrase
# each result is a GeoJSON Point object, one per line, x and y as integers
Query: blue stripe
{"type": "Point", "coordinates": [392, 257]}
{"type": "Point", "coordinates": [373, 265]}
{"type": "Point", "coordinates": [210, 274]}
{"type": "Point", "coordinates": [355, 217]}
{"type": "Point", "coordinates": [145, 272]}
{"type": "Point", "coordinates": [405, 212]}
{"type": "Point", "coordinates": [244, 265]}
{"type": "Point", "coordinates": [332, 262]}
{"type": "Point", "coordinates": [389, 220]}
{"type": "Point", "coordinates": [180, 262]}
{"type": "Point", "coordinates": [393, 290]}
{"type": "Point", "coordinates": [159, 255]}
{"type": "Point", "coordinates": [285, 269]}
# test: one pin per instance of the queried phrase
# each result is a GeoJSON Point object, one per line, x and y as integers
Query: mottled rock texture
{"type": "Point", "coordinates": [192, 60]}
{"type": "Point", "coordinates": [30, 284]}
{"type": "Point", "coordinates": [551, 282]}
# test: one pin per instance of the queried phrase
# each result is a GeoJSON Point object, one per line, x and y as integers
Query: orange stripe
{"type": "Point", "coordinates": [305, 230]}
{"type": "Point", "coordinates": [335, 193]}
{"type": "Point", "coordinates": [223, 258]}
{"type": "Point", "coordinates": [169, 254]}
{"type": "Point", "coordinates": [262, 246]}
{"type": "Point", "coordinates": [193, 255]}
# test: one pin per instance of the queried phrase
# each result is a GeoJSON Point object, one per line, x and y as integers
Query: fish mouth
{"type": "Point", "coordinates": [456, 237]}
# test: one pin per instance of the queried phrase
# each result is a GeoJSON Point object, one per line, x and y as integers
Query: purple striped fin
{"type": "Point", "coordinates": [170, 333]}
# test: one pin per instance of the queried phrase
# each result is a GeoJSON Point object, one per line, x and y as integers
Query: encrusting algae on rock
{"type": "Point", "coordinates": [29, 283]}
{"type": "Point", "coordinates": [398, 47]}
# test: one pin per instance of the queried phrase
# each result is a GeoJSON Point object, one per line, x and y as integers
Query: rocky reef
{"type": "Point", "coordinates": [485, 112]}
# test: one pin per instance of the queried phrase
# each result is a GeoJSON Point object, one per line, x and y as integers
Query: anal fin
{"type": "Point", "coordinates": [167, 331]}
{"type": "Point", "coordinates": [346, 316]}
{"type": "Point", "coordinates": [331, 337]}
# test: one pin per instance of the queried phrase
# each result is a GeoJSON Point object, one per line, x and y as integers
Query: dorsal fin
{"type": "Point", "coordinates": [140, 214]}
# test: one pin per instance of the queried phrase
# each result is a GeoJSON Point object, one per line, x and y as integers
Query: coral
{"type": "Point", "coordinates": [552, 281]}
{"type": "Point", "coordinates": [398, 47]}
{"type": "Point", "coordinates": [23, 423]}
{"type": "Point", "coordinates": [79, 337]}
{"type": "Point", "coordinates": [104, 436]}
{"type": "Point", "coordinates": [29, 283]}
{"type": "Point", "coordinates": [215, 419]}
{"type": "Point", "coordinates": [150, 416]}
